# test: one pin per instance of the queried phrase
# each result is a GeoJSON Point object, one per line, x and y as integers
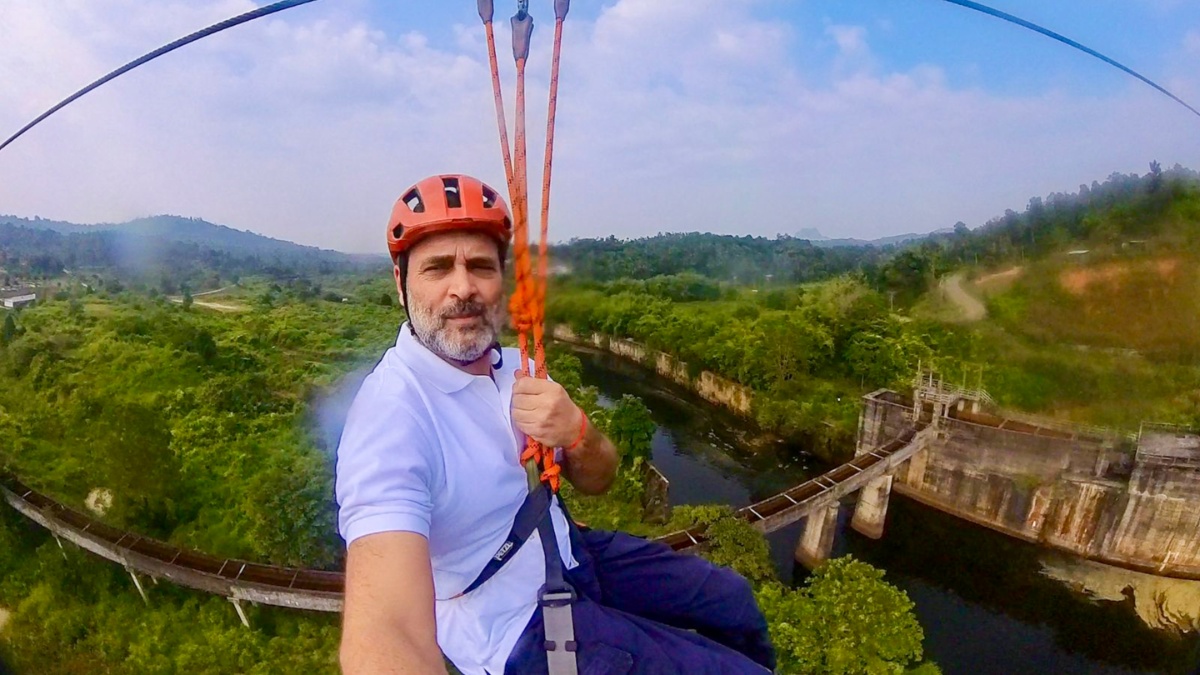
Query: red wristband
{"type": "Point", "coordinates": [582, 431]}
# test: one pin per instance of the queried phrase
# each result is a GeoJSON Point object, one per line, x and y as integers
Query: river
{"type": "Point", "coordinates": [987, 602]}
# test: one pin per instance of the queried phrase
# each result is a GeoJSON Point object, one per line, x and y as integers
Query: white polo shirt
{"type": "Point", "coordinates": [430, 449]}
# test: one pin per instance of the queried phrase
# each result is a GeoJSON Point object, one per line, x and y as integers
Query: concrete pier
{"type": "Point", "coordinates": [816, 544]}
{"type": "Point", "coordinates": [870, 512]}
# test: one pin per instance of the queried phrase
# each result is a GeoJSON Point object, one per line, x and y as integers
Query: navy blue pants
{"type": "Point", "coordinates": [639, 603]}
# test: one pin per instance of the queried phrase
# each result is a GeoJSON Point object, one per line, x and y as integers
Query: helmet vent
{"type": "Point", "coordinates": [413, 200]}
{"type": "Point", "coordinates": [453, 196]}
{"type": "Point", "coordinates": [489, 197]}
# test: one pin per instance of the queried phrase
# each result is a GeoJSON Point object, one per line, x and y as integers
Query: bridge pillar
{"type": "Point", "coordinates": [138, 583]}
{"type": "Point", "coordinates": [914, 471]}
{"type": "Point", "coordinates": [240, 612]}
{"type": "Point", "coordinates": [816, 544]}
{"type": "Point", "coordinates": [870, 512]}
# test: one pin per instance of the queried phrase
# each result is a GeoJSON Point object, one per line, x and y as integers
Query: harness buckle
{"type": "Point", "coordinates": [557, 597]}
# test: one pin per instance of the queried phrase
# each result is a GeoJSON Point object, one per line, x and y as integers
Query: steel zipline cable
{"type": "Point", "coordinates": [1069, 42]}
{"type": "Point", "coordinates": [288, 4]}
{"type": "Point", "coordinates": [188, 39]}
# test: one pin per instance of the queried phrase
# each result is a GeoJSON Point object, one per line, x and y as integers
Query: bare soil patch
{"type": "Point", "coordinates": [1113, 276]}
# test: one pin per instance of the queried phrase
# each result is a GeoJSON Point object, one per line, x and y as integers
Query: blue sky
{"type": "Point", "coordinates": [858, 118]}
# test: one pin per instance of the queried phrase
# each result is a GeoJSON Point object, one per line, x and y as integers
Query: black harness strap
{"type": "Point", "coordinates": [533, 511]}
{"type": "Point", "coordinates": [557, 595]}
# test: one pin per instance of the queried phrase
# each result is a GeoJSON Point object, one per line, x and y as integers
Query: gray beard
{"type": "Point", "coordinates": [456, 344]}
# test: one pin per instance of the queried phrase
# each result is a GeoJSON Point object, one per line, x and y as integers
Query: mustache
{"type": "Point", "coordinates": [462, 309]}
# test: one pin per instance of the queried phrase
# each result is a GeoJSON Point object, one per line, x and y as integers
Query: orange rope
{"type": "Point", "coordinates": [528, 303]}
{"type": "Point", "coordinates": [539, 324]}
{"type": "Point", "coordinates": [499, 96]}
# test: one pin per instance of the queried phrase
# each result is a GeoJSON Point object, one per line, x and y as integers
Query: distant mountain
{"type": "Point", "coordinates": [814, 235]}
{"type": "Point", "coordinates": [194, 231]}
{"type": "Point", "coordinates": [164, 250]}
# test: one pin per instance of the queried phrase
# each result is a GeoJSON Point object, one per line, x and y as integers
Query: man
{"type": "Point", "coordinates": [429, 484]}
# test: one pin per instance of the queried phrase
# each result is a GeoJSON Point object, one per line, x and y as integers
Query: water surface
{"type": "Point", "coordinates": [981, 597]}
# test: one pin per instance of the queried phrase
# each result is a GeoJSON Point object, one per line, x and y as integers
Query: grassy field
{"type": "Point", "coordinates": [1107, 337]}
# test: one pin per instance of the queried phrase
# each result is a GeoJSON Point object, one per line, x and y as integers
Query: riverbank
{"type": "Point", "coordinates": [985, 603]}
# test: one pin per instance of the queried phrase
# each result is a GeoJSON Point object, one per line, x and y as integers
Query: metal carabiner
{"type": "Point", "coordinates": [522, 27]}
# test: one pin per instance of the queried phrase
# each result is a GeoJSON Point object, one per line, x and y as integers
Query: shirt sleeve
{"type": "Point", "coordinates": [384, 470]}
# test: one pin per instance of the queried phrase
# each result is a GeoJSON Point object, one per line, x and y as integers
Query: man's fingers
{"type": "Point", "coordinates": [525, 402]}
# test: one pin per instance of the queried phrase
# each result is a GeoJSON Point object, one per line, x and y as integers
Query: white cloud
{"type": "Point", "coordinates": [1191, 42]}
{"type": "Point", "coordinates": [674, 115]}
{"type": "Point", "coordinates": [850, 40]}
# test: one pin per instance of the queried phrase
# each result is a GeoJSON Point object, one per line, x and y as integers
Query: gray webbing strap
{"type": "Point", "coordinates": [555, 599]}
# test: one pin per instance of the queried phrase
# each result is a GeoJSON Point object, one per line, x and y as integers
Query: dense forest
{"type": "Point", "coordinates": [745, 260]}
{"type": "Point", "coordinates": [210, 430]}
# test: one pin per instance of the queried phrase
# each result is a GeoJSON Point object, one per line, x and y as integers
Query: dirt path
{"type": "Point", "coordinates": [220, 307]}
{"type": "Point", "coordinates": [212, 292]}
{"type": "Point", "coordinates": [972, 308]}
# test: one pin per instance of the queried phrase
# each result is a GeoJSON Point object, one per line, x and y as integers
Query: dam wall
{"type": "Point", "coordinates": [1131, 502]}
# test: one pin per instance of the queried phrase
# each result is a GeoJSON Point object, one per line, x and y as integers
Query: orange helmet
{"type": "Point", "coordinates": [445, 203]}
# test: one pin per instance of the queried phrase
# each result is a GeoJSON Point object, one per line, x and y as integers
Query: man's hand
{"type": "Point", "coordinates": [545, 412]}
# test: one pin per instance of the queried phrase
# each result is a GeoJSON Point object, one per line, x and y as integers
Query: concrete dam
{"type": "Point", "coordinates": [1132, 502]}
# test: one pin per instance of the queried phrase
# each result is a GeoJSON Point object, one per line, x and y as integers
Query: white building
{"type": "Point", "coordinates": [19, 299]}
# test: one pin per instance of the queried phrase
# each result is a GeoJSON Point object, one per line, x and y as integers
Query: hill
{"type": "Point", "coordinates": [189, 230]}
{"type": "Point", "coordinates": [1125, 211]}
{"type": "Point", "coordinates": [192, 253]}
{"type": "Point", "coordinates": [814, 235]}
{"type": "Point", "coordinates": [1147, 302]}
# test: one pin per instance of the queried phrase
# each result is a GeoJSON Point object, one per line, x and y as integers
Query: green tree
{"type": "Point", "coordinates": [846, 620]}
{"type": "Point", "coordinates": [292, 518]}
{"type": "Point", "coordinates": [731, 542]}
{"type": "Point", "coordinates": [629, 425]}
{"type": "Point", "coordinates": [9, 332]}
{"type": "Point", "coordinates": [130, 445]}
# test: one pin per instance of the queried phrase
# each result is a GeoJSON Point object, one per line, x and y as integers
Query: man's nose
{"type": "Point", "coordinates": [462, 286]}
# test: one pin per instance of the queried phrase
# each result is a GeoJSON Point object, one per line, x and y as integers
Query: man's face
{"type": "Point", "coordinates": [455, 287]}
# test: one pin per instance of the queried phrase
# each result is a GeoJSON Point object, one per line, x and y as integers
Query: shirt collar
{"type": "Point", "coordinates": [428, 365]}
